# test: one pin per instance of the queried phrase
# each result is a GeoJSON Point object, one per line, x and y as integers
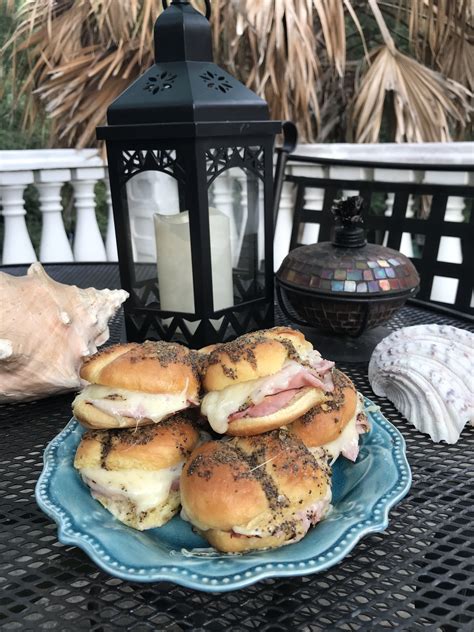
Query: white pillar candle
{"type": "Point", "coordinates": [173, 257]}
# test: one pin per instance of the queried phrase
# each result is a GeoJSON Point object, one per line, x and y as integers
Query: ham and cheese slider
{"type": "Point", "coordinates": [333, 427]}
{"type": "Point", "coordinates": [253, 493]}
{"type": "Point", "coordinates": [133, 384]}
{"type": "Point", "coordinates": [262, 381]}
{"type": "Point", "coordinates": [135, 473]}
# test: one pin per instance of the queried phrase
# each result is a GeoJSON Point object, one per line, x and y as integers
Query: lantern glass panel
{"type": "Point", "coordinates": [236, 205]}
{"type": "Point", "coordinates": [153, 201]}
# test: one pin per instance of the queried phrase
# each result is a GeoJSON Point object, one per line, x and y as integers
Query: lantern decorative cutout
{"type": "Point", "coordinates": [200, 132]}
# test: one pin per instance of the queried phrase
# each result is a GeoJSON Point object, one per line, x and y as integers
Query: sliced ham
{"type": "Point", "coordinates": [270, 404]}
{"type": "Point", "coordinates": [294, 375]}
{"type": "Point", "coordinates": [276, 391]}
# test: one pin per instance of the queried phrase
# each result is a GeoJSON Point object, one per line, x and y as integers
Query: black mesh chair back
{"type": "Point", "coordinates": [397, 213]}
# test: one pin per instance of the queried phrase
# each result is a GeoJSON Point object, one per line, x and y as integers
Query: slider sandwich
{"type": "Point", "coordinates": [262, 381]}
{"type": "Point", "coordinates": [131, 385]}
{"type": "Point", "coordinates": [333, 426]}
{"type": "Point", "coordinates": [253, 493]}
{"type": "Point", "coordinates": [134, 473]}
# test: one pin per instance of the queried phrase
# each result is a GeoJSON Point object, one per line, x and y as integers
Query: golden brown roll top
{"type": "Point", "coordinates": [252, 356]}
{"type": "Point", "coordinates": [326, 421]}
{"type": "Point", "coordinates": [152, 447]}
{"type": "Point", "coordinates": [262, 381]}
{"type": "Point", "coordinates": [151, 367]}
{"type": "Point", "coordinates": [255, 492]}
{"type": "Point", "coordinates": [135, 384]}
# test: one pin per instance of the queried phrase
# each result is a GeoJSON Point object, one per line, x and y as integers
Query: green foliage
{"type": "Point", "coordinates": [12, 133]}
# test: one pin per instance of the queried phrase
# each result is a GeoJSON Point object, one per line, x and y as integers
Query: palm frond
{"type": "Point", "coordinates": [331, 18]}
{"type": "Point", "coordinates": [78, 55]}
{"type": "Point", "coordinates": [425, 103]}
{"type": "Point", "coordinates": [433, 23]}
{"type": "Point", "coordinates": [274, 54]}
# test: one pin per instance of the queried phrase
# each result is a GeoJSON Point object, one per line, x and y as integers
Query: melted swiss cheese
{"type": "Point", "coordinates": [144, 489]}
{"type": "Point", "coordinates": [124, 403]}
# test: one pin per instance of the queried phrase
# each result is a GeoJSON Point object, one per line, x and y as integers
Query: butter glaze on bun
{"type": "Point", "coordinates": [135, 384]}
{"type": "Point", "coordinates": [254, 493]}
{"type": "Point", "coordinates": [326, 421]}
{"type": "Point", "coordinates": [252, 356]}
{"type": "Point", "coordinates": [148, 448]}
{"type": "Point", "coordinates": [151, 367]}
{"type": "Point", "coordinates": [135, 473]}
{"type": "Point", "coordinates": [262, 381]}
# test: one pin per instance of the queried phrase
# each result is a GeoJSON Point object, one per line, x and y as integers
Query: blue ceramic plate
{"type": "Point", "coordinates": [362, 496]}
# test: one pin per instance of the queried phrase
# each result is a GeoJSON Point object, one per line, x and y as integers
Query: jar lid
{"type": "Point", "coordinates": [349, 265]}
{"type": "Point", "coordinates": [370, 270]}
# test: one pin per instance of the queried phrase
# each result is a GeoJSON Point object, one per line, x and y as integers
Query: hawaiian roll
{"type": "Point", "coordinates": [135, 384]}
{"type": "Point", "coordinates": [333, 426]}
{"type": "Point", "coordinates": [262, 381]}
{"type": "Point", "coordinates": [135, 473]}
{"type": "Point", "coordinates": [254, 492]}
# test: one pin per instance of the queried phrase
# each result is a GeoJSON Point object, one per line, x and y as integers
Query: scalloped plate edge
{"type": "Point", "coordinates": [198, 581]}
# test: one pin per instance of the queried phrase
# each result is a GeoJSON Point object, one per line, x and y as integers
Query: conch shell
{"type": "Point", "coordinates": [427, 371]}
{"type": "Point", "coordinates": [46, 329]}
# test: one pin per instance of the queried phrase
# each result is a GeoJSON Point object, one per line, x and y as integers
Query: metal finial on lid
{"type": "Point", "coordinates": [348, 213]}
{"type": "Point", "coordinates": [207, 2]}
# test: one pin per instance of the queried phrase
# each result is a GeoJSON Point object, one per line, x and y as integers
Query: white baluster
{"type": "Point", "coordinates": [17, 246]}
{"type": "Point", "coordinates": [54, 245]}
{"type": "Point", "coordinates": [149, 192]}
{"type": "Point", "coordinates": [222, 200]}
{"type": "Point", "coordinates": [242, 202]}
{"type": "Point", "coordinates": [406, 242]}
{"type": "Point", "coordinates": [399, 175]}
{"type": "Point", "coordinates": [450, 247]}
{"type": "Point", "coordinates": [88, 244]}
{"type": "Point", "coordinates": [313, 200]}
{"type": "Point", "coordinates": [444, 289]}
{"type": "Point", "coordinates": [110, 239]}
{"type": "Point", "coordinates": [337, 172]}
{"type": "Point", "coordinates": [261, 223]}
{"type": "Point", "coordinates": [281, 244]}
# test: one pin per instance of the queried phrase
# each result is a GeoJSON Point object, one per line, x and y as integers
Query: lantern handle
{"type": "Point", "coordinates": [207, 2]}
{"type": "Point", "coordinates": [290, 140]}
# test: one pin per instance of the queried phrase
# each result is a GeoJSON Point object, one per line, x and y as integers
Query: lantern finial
{"type": "Point", "coordinates": [182, 34]}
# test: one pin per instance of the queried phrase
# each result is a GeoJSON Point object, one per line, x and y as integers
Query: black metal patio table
{"type": "Point", "coordinates": [418, 574]}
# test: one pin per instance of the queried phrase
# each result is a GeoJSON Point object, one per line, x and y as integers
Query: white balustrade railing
{"type": "Point", "coordinates": [154, 192]}
{"type": "Point", "coordinates": [48, 170]}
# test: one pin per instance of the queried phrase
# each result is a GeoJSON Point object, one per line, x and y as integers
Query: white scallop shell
{"type": "Point", "coordinates": [427, 372]}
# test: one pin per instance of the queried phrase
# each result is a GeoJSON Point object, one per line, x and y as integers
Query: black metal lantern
{"type": "Point", "coordinates": [185, 117]}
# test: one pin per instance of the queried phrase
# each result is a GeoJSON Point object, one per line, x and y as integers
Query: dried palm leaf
{"type": "Point", "coordinates": [81, 54]}
{"type": "Point", "coordinates": [456, 61]}
{"type": "Point", "coordinates": [273, 52]}
{"type": "Point", "coordinates": [433, 23]}
{"type": "Point", "coordinates": [331, 17]}
{"type": "Point", "coordinates": [425, 103]}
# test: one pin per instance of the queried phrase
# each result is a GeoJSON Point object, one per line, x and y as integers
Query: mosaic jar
{"type": "Point", "coordinates": [345, 286]}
